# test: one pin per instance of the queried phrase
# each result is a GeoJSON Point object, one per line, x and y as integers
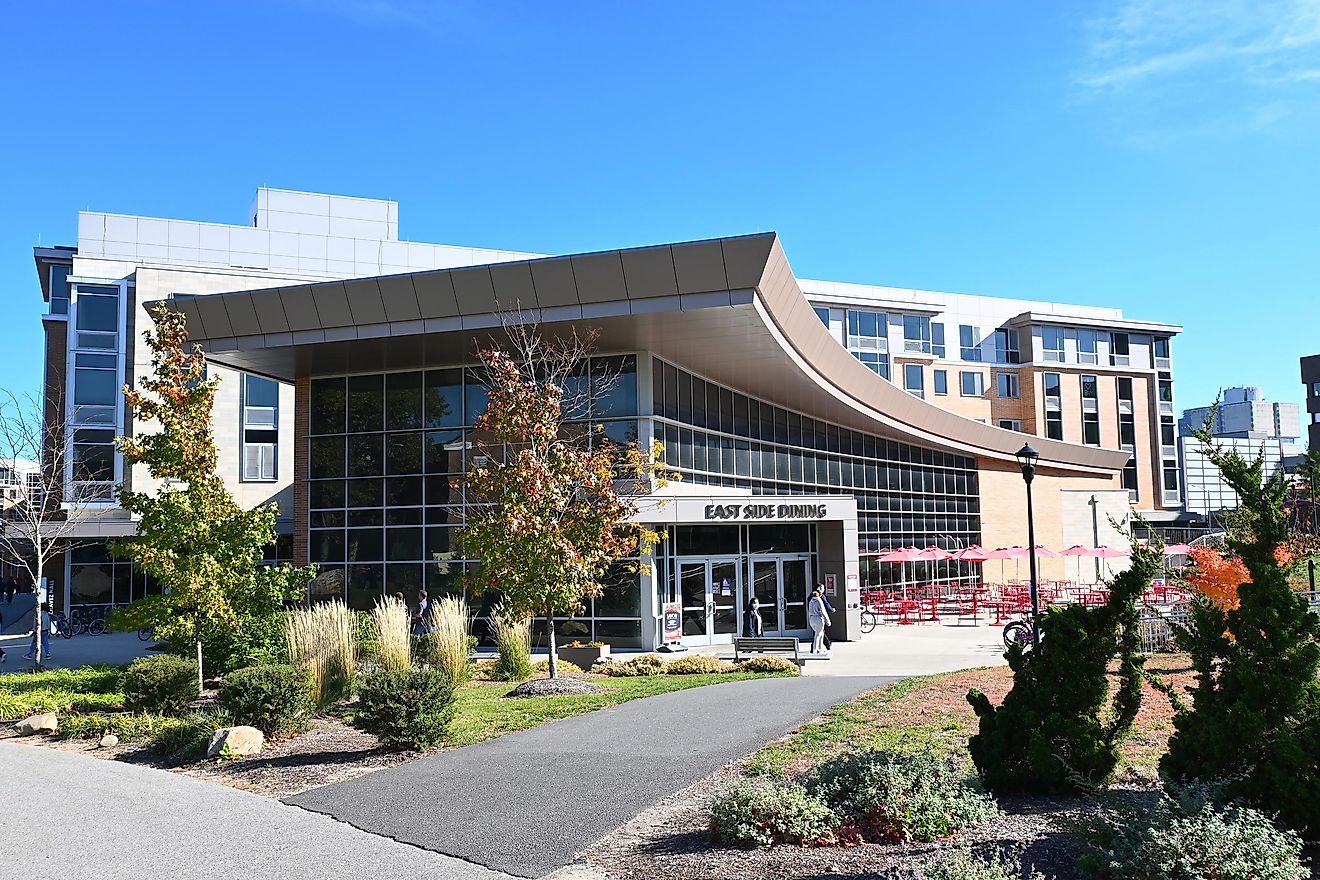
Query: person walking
{"type": "Point", "coordinates": [11, 587]}
{"type": "Point", "coordinates": [45, 636]}
{"type": "Point", "coordinates": [752, 625]}
{"type": "Point", "coordinates": [818, 618]}
{"type": "Point", "coordinates": [422, 616]}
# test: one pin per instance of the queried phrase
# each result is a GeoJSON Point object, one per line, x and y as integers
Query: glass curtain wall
{"type": "Point", "coordinates": [906, 495]}
{"type": "Point", "coordinates": [385, 453]}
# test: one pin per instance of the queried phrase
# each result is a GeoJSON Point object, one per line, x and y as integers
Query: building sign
{"type": "Point", "coordinates": [831, 585]}
{"type": "Point", "coordinates": [672, 625]}
{"type": "Point", "coordinates": [763, 512]}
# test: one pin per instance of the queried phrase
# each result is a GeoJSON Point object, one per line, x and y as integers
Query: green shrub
{"type": "Point", "coordinates": [186, 738]}
{"type": "Point", "coordinates": [162, 683]}
{"type": "Point", "coordinates": [409, 708]}
{"type": "Point", "coordinates": [768, 811]}
{"type": "Point", "coordinates": [769, 663]}
{"type": "Point", "coordinates": [276, 699]}
{"type": "Point", "coordinates": [698, 664]}
{"type": "Point", "coordinates": [895, 797]}
{"type": "Point", "coordinates": [961, 864]}
{"type": "Point", "coordinates": [1255, 711]}
{"type": "Point", "coordinates": [1212, 843]}
{"type": "Point", "coordinates": [642, 664]}
{"type": "Point", "coordinates": [1053, 731]}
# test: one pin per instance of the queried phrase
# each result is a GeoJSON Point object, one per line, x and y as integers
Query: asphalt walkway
{"type": "Point", "coordinates": [529, 802]}
{"type": "Point", "coordinates": [71, 815]}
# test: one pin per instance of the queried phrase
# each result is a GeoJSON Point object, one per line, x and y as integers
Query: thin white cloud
{"type": "Point", "coordinates": [1169, 66]}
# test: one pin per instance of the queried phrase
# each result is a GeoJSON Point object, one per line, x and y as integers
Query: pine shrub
{"type": "Point", "coordinates": [769, 811]}
{"type": "Point", "coordinates": [698, 664]}
{"type": "Point", "coordinates": [406, 708]}
{"type": "Point", "coordinates": [162, 684]}
{"type": "Point", "coordinates": [277, 699]}
{"type": "Point", "coordinates": [886, 797]}
{"type": "Point", "coordinates": [1052, 733]}
{"type": "Point", "coordinates": [1254, 717]}
{"type": "Point", "coordinates": [769, 663]}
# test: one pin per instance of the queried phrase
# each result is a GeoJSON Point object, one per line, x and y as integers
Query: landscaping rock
{"type": "Point", "coordinates": [554, 687]}
{"type": "Point", "coordinates": [46, 722]}
{"type": "Point", "coordinates": [108, 741]}
{"type": "Point", "coordinates": [235, 742]}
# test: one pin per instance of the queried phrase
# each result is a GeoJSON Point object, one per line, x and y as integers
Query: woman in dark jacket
{"type": "Point", "coordinates": [752, 618]}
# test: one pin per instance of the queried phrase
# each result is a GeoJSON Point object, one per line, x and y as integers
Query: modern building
{"type": "Point", "coordinates": [1311, 379]}
{"type": "Point", "coordinates": [349, 394]}
{"type": "Point", "coordinates": [1247, 423]}
{"type": "Point", "coordinates": [1245, 414]}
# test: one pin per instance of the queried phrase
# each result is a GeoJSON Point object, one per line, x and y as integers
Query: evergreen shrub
{"type": "Point", "coordinates": [277, 699]}
{"type": "Point", "coordinates": [1052, 733]}
{"type": "Point", "coordinates": [163, 684]}
{"type": "Point", "coordinates": [962, 864]}
{"type": "Point", "coordinates": [406, 708]}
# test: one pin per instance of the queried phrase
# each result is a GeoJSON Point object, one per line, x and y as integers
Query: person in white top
{"type": "Point", "coordinates": [818, 617]}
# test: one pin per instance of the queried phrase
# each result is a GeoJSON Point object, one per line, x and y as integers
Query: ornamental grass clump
{"type": "Point", "coordinates": [321, 640]}
{"type": "Point", "coordinates": [390, 632]}
{"type": "Point", "coordinates": [884, 797]}
{"type": "Point", "coordinates": [513, 641]}
{"type": "Point", "coordinates": [449, 640]}
{"type": "Point", "coordinates": [641, 665]}
{"type": "Point", "coordinates": [698, 664]}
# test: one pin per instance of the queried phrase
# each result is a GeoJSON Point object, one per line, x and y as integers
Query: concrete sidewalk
{"type": "Point", "coordinates": [71, 815]}
{"type": "Point", "coordinates": [116, 648]}
{"type": "Point", "coordinates": [923, 649]}
{"type": "Point", "coordinates": [529, 802]}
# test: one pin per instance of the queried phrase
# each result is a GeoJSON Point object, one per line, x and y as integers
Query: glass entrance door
{"type": "Point", "coordinates": [783, 584]}
{"type": "Point", "coordinates": [710, 591]}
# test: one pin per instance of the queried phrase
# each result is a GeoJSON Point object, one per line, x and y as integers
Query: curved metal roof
{"type": "Point", "coordinates": [727, 309]}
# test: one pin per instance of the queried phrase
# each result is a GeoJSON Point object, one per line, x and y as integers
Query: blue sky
{"type": "Point", "coordinates": [1154, 155]}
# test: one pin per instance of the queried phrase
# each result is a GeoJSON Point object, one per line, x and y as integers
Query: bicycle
{"type": "Point", "coordinates": [147, 633]}
{"type": "Point", "coordinates": [1019, 632]}
{"type": "Point", "coordinates": [870, 620]}
{"type": "Point", "coordinates": [60, 625]}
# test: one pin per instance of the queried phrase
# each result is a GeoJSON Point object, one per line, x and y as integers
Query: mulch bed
{"type": "Point", "coordinates": [670, 842]}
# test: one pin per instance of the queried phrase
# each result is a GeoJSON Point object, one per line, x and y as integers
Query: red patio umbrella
{"type": "Point", "coordinates": [1002, 553]}
{"type": "Point", "coordinates": [1176, 550]}
{"type": "Point", "coordinates": [1079, 551]}
{"type": "Point", "coordinates": [900, 555]}
{"type": "Point", "coordinates": [1103, 552]}
{"type": "Point", "coordinates": [1046, 553]}
{"type": "Point", "coordinates": [973, 553]}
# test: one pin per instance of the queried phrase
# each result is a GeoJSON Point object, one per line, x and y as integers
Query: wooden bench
{"type": "Point", "coordinates": [766, 645]}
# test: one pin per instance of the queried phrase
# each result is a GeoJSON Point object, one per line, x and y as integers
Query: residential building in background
{"type": "Point", "coordinates": [1079, 374]}
{"type": "Point", "coordinates": [1311, 379]}
{"type": "Point", "coordinates": [1247, 423]}
{"type": "Point", "coordinates": [808, 443]}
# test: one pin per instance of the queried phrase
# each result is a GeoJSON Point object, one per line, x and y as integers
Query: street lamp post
{"type": "Point", "coordinates": [1027, 458]}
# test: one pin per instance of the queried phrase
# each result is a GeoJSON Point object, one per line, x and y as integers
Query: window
{"type": "Point", "coordinates": [261, 428]}
{"type": "Point", "coordinates": [868, 340]}
{"type": "Point", "coordinates": [96, 317]}
{"type": "Point", "coordinates": [916, 333]}
{"type": "Point", "coordinates": [914, 380]}
{"type": "Point", "coordinates": [823, 314]}
{"type": "Point", "coordinates": [93, 455]}
{"type": "Point", "coordinates": [973, 383]}
{"type": "Point", "coordinates": [1119, 349]}
{"type": "Point", "coordinates": [1052, 385]}
{"type": "Point", "coordinates": [1166, 431]}
{"type": "Point", "coordinates": [1006, 346]}
{"type": "Point", "coordinates": [1161, 347]}
{"type": "Point", "coordinates": [969, 348]}
{"type": "Point", "coordinates": [1008, 385]}
{"type": "Point", "coordinates": [1127, 426]}
{"type": "Point", "coordinates": [937, 339]}
{"type": "Point", "coordinates": [59, 289]}
{"type": "Point", "coordinates": [1011, 424]}
{"type": "Point", "coordinates": [1315, 389]}
{"type": "Point", "coordinates": [1130, 479]}
{"type": "Point", "coordinates": [1090, 388]}
{"type": "Point", "coordinates": [1051, 343]}
{"type": "Point", "coordinates": [1088, 346]}
{"type": "Point", "coordinates": [1090, 411]}
{"type": "Point", "coordinates": [941, 382]}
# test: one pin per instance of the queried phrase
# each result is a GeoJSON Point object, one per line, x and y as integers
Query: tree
{"type": "Point", "coordinates": [1254, 719]}
{"type": "Point", "coordinates": [202, 548]}
{"type": "Point", "coordinates": [40, 525]}
{"type": "Point", "coordinates": [1051, 734]}
{"type": "Point", "coordinates": [546, 516]}
{"type": "Point", "coordinates": [1216, 576]}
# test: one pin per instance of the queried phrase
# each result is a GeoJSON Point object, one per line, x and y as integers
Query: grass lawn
{"type": "Point", "coordinates": [932, 713]}
{"type": "Point", "coordinates": [483, 713]}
